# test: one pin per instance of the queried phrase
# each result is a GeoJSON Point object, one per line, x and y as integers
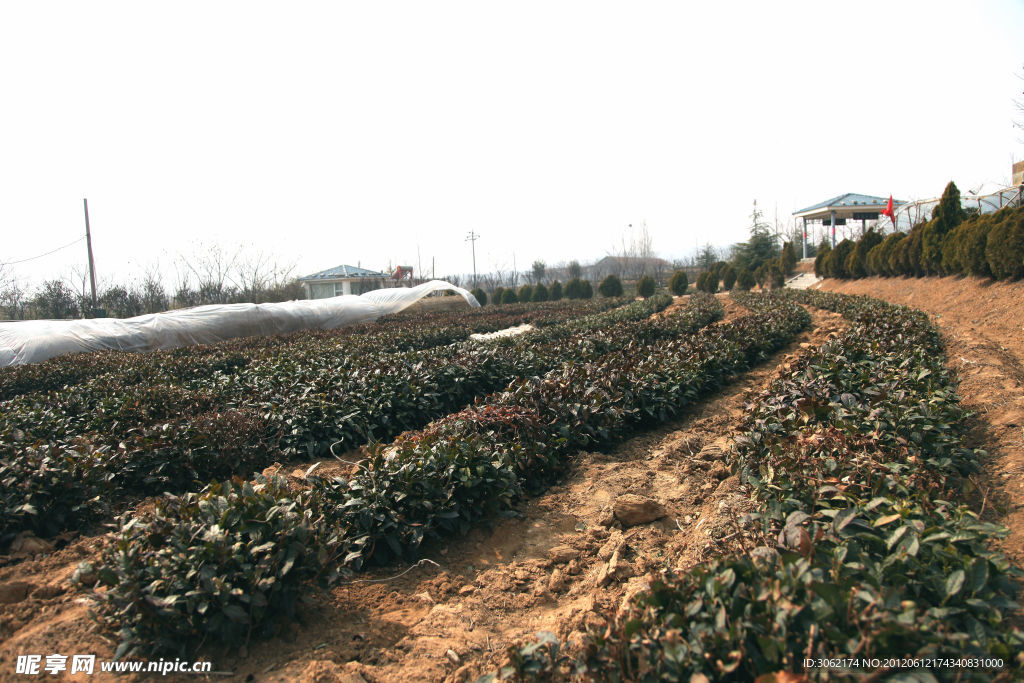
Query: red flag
{"type": "Point", "coordinates": [889, 212]}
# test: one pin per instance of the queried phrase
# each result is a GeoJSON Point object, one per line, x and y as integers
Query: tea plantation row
{"type": "Point", "coordinates": [399, 332]}
{"type": "Point", "coordinates": [859, 551]}
{"type": "Point", "coordinates": [231, 562]}
{"type": "Point", "coordinates": [50, 485]}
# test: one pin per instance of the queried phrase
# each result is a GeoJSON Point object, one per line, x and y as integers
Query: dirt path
{"type": "Point", "coordinates": [982, 323]}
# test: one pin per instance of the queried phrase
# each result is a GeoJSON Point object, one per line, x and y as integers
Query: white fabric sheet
{"type": "Point", "coordinates": [31, 341]}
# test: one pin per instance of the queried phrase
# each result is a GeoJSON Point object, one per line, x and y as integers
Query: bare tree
{"type": "Point", "coordinates": [537, 271]}
{"type": "Point", "coordinates": [212, 267]}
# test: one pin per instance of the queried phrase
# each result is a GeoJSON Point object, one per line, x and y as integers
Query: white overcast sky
{"type": "Point", "coordinates": [340, 132]}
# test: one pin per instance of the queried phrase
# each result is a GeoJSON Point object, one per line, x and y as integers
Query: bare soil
{"type": "Point", "coordinates": [564, 557]}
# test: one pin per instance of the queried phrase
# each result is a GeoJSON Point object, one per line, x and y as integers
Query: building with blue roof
{"type": "Point", "coordinates": [846, 207]}
{"type": "Point", "coordinates": [342, 280]}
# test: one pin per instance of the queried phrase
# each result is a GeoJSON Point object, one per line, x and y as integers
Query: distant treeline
{"type": "Point", "coordinates": [56, 300]}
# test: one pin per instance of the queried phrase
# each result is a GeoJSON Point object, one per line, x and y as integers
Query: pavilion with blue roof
{"type": "Point", "coordinates": [341, 280]}
{"type": "Point", "coordinates": [849, 206]}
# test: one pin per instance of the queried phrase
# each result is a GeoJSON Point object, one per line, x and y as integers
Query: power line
{"type": "Point", "coordinates": [33, 258]}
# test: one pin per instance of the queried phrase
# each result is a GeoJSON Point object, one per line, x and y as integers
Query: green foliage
{"type": "Point", "coordinates": [852, 456]}
{"type": "Point", "coordinates": [745, 280]}
{"type": "Point", "coordinates": [509, 296]}
{"type": "Point", "coordinates": [480, 295]}
{"type": "Point", "coordinates": [525, 293]}
{"type": "Point", "coordinates": [496, 295]}
{"type": "Point", "coordinates": [857, 261]}
{"type": "Point", "coordinates": [573, 289]}
{"type": "Point", "coordinates": [540, 293]}
{"type": "Point", "coordinates": [973, 243]}
{"type": "Point", "coordinates": [679, 283]}
{"type": "Point", "coordinates": [775, 276]}
{"type": "Point", "coordinates": [820, 262]}
{"type": "Point", "coordinates": [728, 278]}
{"type": "Point", "coordinates": [236, 557]}
{"type": "Point", "coordinates": [611, 286]}
{"type": "Point", "coordinates": [586, 290]}
{"type": "Point", "coordinates": [788, 259]}
{"type": "Point", "coordinates": [555, 292]}
{"type": "Point", "coordinates": [707, 282]}
{"type": "Point", "coordinates": [880, 254]}
{"type": "Point", "coordinates": [946, 216]}
{"type": "Point", "coordinates": [834, 262]}
{"type": "Point", "coordinates": [1005, 247]}
{"type": "Point", "coordinates": [220, 567]}
{"type": "Point", "coordinates": [645, 286]}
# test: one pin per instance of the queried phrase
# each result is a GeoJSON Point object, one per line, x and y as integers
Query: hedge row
{"type": "Point", "coordinates": [986, 245]}
{"type": "Point", "coordinates": [206, 566]}
{"type": "Point", "coordinates": [855, 455]}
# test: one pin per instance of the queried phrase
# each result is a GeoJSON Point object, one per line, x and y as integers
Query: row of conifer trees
{"type": "Point", "coordinates": [955, 241]}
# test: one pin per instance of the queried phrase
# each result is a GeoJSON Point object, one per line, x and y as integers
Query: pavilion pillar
{"type": "Point", "coordinates": [805, 237]}
{"type": "Point", "coordinates": [833, 222]}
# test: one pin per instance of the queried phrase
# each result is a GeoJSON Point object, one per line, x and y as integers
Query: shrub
{"type": "Point", "coordinates": [509, 296]}
{"type": "Point", "coordinates": [878, 257]}
{"type": "Point", "coordinates": [555, 292]}
{"type": "Point", "coordinates": [611, 286]}
{"type": "Point", "coordinates": [707, 282]}
{"type": "Point", "coordinates": [209, 578]}
{"type": "Point", "coordinates": [479, 295]}
{"type": "Point", "coordinates": [540, 293]}
{"type": "Point", "coordinates": [857, 262]}
{"type": "Point", "coordinates": [728, 278]}
{"type": "Point", "coordinates": [775, 275]}
{"type": "Point", "coordinates": [1005, 248]}
{"type": "Point", "coordinates": [819, 260]}
{"type": "Point", "coordinates": [835, 262]}
{"type": "Point", "coordinates": [946, 216]}
{"type": "Point", "coordinates": [788, 260]}
{"type": "Point", "coordinates": [973, 243]}
{"type": "Point", "coordinates": [678, 284]}
{"type": "Point", "coordinates": [912, 255]}
{"type": "Point", "coordinates": [586, 290]}
{"type": "Point", "coordinates": [573, 289]}
{"type": "Point", "coordinates": [496, 295]}
{"type": "Point", "coordinates": [745, 280]}
{"type": "Point", "coordinates": [525, 293]}
{"type": "Point", "coordinates": [645, 286]}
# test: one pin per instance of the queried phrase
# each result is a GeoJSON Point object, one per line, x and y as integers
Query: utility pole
{"type": "Point", "coordinates": [472, 238]}
{"type": "Point", "coordinates": [92, 266]}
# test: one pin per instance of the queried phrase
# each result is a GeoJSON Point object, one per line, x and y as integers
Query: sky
{"type": "Point", "coordinates": [377, 134]}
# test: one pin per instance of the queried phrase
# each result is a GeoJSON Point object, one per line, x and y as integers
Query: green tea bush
{"type": "Point", "coordinates": [852, 454]}
{"type": "Point", "coordinates": [219, 567]}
